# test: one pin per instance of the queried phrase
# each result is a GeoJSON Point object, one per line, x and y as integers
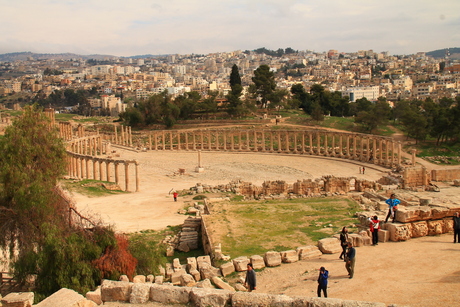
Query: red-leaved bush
{"type": "Point", "coordinates": [117, 260]}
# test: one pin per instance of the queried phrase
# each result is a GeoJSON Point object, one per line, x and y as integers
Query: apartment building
{"type": "Point", "coordinates": [371, 93]}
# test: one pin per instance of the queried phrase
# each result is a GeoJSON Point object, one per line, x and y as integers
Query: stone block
{"type": "Point", "coordinates": [399, 232]}
{"type": "Point", "coordinates": [289, 256]}
{"type": "Point", "coordinates": [272, 258]}
{"type": "Point", "coordinates": [203, 259]}
{"type": "Point", "coordinates": [241, 263]}
{"type": "Point", "coordinates": [175, 277]}
{"type": "Point", "coordinates": [366, 240]}
{"type": "Point", "coordinates": [176, 265]}
{"type": "Point", "coordinates": [159, 279]}
{"type": "Point", "coordinates": [329, 246]}
{"type": "Point", "coordinates": [139, 278]}
{"type": "Point", "coordinates": [191, 264]}
{"type": "Point", "coordinates": [140, 293]}
{"type": "Point", "coordinates": [356, 239]}
{"type": "Point", "coordinates": [308, 252]}
{"type": "Point", "coordinates": [113, 291]}
{"type": "Point", "coordinates": [123, 278]}
{"type": "Point", "coordinates": [250, 299]}
{"type": "Point", "coordinates": [62, 298]}
{"type": "Point", "coordinates": [168, 294]}
{"type": "Point", "coordinates": [150, 278]}
{"type": "Point", "coordinates": [206, 283]}
{"type": "Point", "coordinates": [257, 262]}
{"type": "Point", "coordinates": [384, 235]}
{"type": "Point", "coordinates": [435, 227]}
{"type": "Point", "coordinates": [207, 271]}
{"type": "Point", "coordinates": [413, 214]}
{"type": "Point", "coordinates": [448, 225]}
{"type": "Point", "coordinates": [419, 229]}
{"type": "Point", "coordinates": [95, 296]}
{"type": "Point", "coordinates": [203, 297]}
{"type": "Point", "coordinates": [221, 284]}
{"type": "Point", "coordinates": [196, 275]}
{"type": "Point", "coordinates": [187, 280]}
{"type": "Point", "coordinates": [227, 268]}
{"type": "Point", "coordinates": [350, 303]}
{"type": "Point", "coordinates": [23, 299]}
{"type": "Point", "coordinates": [325, 302]}
{"type": "Point", "coordinates": [438, 213]}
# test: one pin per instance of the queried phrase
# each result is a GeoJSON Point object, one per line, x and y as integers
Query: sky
{"type": "Point", "coordinates": [138, 27]}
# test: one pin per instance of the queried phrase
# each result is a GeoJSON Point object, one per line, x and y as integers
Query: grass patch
{"type": "Point", "coordinates": [90, 188]}
{"type": "Point", "coordinates": [252, 228]}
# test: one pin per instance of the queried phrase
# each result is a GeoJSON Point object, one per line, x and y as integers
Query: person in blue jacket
{"type": "Point", "coordinates": [322, 281]}
{"type": "Point", "coordinates": [393, 203]}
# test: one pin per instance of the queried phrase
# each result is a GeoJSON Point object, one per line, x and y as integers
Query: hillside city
{"type": "Point", "coordinates": [115, 81]}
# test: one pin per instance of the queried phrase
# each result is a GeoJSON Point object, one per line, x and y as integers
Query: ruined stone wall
{"type": "Point", "coordinates": [445, 174]}
{"type": "Point", "coordinates": [415, 176]}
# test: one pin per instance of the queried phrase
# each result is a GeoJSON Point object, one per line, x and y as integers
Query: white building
{"type": "Point", "coordinates": [371, 93]}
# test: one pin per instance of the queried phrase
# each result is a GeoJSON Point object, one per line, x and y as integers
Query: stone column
{"type": "Point", "coordinates": [130, 137]}
{"type": "Point", "coordinates": [414, 151]}
{"type": "Point", "coordinates": [295, 142]}
{"type": "Point", "coordinates": [271, 141]}
{"type": "Point", "coordinates": [255, 141]}
{"type": "Point", "coordinates": [318, 143]}
{"type": "Point", "coordinates": [310, 135]}
{"type": "Point", "coordinates": [303, 142]}
{"type": "Point", "coordinates": [163, 139]}
{"type": "Point", "coordinates": [224, 136]}
{"type": "Point", "coordinates": [387, 152]}
{"type": "Point", "coordinates": [374, 151]}
{"type": "Point", "coordinates": [87, 167]}
{"type": "Point", "coordinates": [122, 135]}
{"type": "Point", "coordinates": [107, 168]}
{"type": "Point", "coordinates": [194, 140]}
{"type": "Point", "coordinates": [380, 151]}
{"type": "Point", "coordinates": [355, 156]}
{"type": "Point", "coordinates": [100, 171]}
{"type": "Point", "coordinates": [94, 169]}
{"type": "Point", "coordinates": [247, 141]}
{"type": "Point", "coordinates": [117, 178]}
{"type": "Point", "coordinates": [150, 141]}
{"type": "Point", "coordinates": [127, 176]}
{"type": "Point", "coordinates": [263, 140]}
{"type": "Point", "coordinates": [368, 150]}
{"type": "Point", "coordinates": [279, 141]}
{"type": "Point", "coordinates": [348, 147]}
{"type": "Point", "coordinates": [202, 139]}
{"type": "Point", "coordinates": [326, 145]}
{"type": "Point", "coordinates": [171, 146]}
{"type": "Point", "coordinates": [136, 163]}
{"type": "Point", "coordinates": [186, 141]}
{"type": "Point", "coordinates": [82, 166]}
{"type": "Point", "coordinates": [333, 153]}
{"type": "Point", "coordinates": [240, 141]}
{"type": "Point", "coordinates": [287, 142]}
{"type": "Point", "coordinates": [178, 140]}
{"type": "Point", "coordinates": [209, 140]}
{"type": "Point", "coordinates": [399, 153]}
{"type": "Point", "coordinates": [232, 141]}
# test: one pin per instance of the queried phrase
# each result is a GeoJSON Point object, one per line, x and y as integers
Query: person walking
{"type": "Point", "coordinates": [175, 195]}
{"type": "Point", "coordinates": [456, 228]}
{"type": "Point", "coordinates": [343, 242]}
{"type": "Point", "coordinates": [350, 260]}
{"type": "Point", "coordinates": [250, 281]}
{"type": "Point", "coordinates": [322, 281]}
{"type": "Point", "coordinates": [374, 227]}
{"type": "Point", "coordinates": [392, 203]}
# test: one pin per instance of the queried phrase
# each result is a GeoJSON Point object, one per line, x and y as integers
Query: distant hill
{"type": "Point", "coordinates": [22, 56]}
{"type": "Point", "coordinates": [454, 53]}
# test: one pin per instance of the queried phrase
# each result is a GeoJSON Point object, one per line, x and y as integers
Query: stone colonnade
{"type": "Point", "coordinates": [65, 130]}
{"type": "Point", "coordinates": [90, 167]}
{"type": "Point", "coordinates": [124, 137]}
{"type": "Point", "coordinates": [354, 146]}
{"type": "Point", "coordinates": [83, 163]}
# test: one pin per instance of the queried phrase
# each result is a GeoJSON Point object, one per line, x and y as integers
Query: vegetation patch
{"type": "Point", "coordinates": [91, 188]}
{"type": "Point", "coordinates": [248, 228]}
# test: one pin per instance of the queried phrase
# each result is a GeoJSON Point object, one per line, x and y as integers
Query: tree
{"type": "Point", "coordinates": [264, 84]}
{"type": "Point", "coordinates": [236, 106]}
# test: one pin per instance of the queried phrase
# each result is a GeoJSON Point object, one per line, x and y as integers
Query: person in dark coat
{"type": "Point", "coordinates": [322, 281]}
{"type": "Point", "coordinates": [344, 242]}
{"type": "Point", "coordinates": [250, 281]}
{"type": "Point", "coordinates": [456, 228]}
{"type": "Point", "coordinates": [350, 260]}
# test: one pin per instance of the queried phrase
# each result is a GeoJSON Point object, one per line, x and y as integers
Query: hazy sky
{"type": "Point", "coordinates": [136, 27]}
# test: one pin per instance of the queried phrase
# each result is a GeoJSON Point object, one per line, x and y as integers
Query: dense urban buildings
{"type": "Point", "coordinates": [117, 81]}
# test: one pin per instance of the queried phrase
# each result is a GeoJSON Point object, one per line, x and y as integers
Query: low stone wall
{"type": "Point", "coordinates": [136, 293]}
{"type": "Point", "coordinates": [326, 185]}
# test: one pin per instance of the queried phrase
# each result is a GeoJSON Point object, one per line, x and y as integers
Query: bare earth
{"type": "Point", "coordinates": [419, 272]}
